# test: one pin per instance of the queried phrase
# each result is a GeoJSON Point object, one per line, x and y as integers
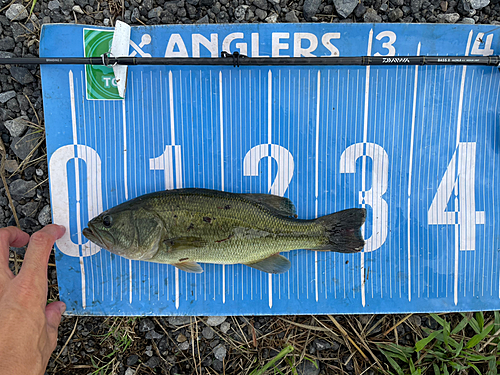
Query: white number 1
{"type": "Point", "coordinates": [458, 181]}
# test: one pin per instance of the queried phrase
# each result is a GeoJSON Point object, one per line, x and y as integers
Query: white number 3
{"type": "Point", "coordinates": [389, 45]}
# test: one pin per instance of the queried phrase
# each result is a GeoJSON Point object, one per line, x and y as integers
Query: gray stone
{"type": "Point", "coordinates": [416, 319]}
{"type": "Point", "coordinates": [217, 366]}
{"type": "Point", "coordinates": [16, 12]}
{"type": "Point", "coordinates": [7, 44]}
{"type": "Point", "coordinates": [44, 217]}
{"type": "Point", "coordinates": [155, 13]}
{"type": "Point", "coordinates": [383, 7]}
{"type": "Point", "coordinates": [6, 96]}
{"type": "Point", "coordinates": [360, 10]}
{"type": "Point", "coordinates": [204, 19]}
{"type": "Point", "coordinates": [29, 209]}
{"type": "Point", "coordinates": [106, 22]}
{"type": "Point", "coordinates": [146, 325]}
{"type": "Point", "coordinates": [66, 5]}
{"type": "Point", "coordinates": [6, 55]}
{"type": "Point", "coordinates": [224, 327]}
{"type": "Point", "coordinates": [395, 15]}
{"type": "Point", "coordinates": [19, 32]}
{"type": "Point", "coordinates": [250, 15]}
{"type": "Point", "coordinates": [372, 16]}
{"type": "Point", "coordinates": [39, 172]}
{"type": "Point", "coordinates": [11, 165]}
{"type": "Point", "coordinates": [132, 359]}
{"type": "Point", "coordinates": [184, 345]}
{"type": "Point", "coordinates": [129, 371]}
{"type": "Point", "coordinates": [151, 334]}
{"type": "Point", "coordinates": [449, 17]}
{"type": "Point", "coordinates": [308, 368]}
{"type": "Point", "coordinates": [21, 75]}
{"type": "Point", "coordinates": [178, 320]}
{"type": "Point", "coordinates": [22, 189]}
{"type": "Point", "coordinates": [214, 321]}
{"type": "Point", "coordinates": [468, 20]}
{"type": "Point", "coordinates": [415, 5]}
{"type": "Point", "coordinates": [18, 126]}
{"type": "Point", "coordinates": [345, 7]}
{"type": "Point", "coordinates": [321, 344]}
{"type": "Point", "coordinates": [54, 4]}
{"type": "Point", "coordinates": [310, 8]}
{"type": "Point", "coordinates": [220, 352]}
{"type": "Point", "coordinates": [208, 333]}
{"type": "Point", "coordinates": [291, 17]}
{"type": "Point", "coordinates": [23, 146]}
{"type": "Point", "coordinates": [261, 14]}
{"type": "Point", "coordinates": [152, 362]}
{"type": "Point", "coordinates": [135, 14]}
{"type": "Point", "coordinates": [149, 351]}
{"type": "Point", "coordinates": [272, 18]}
{"type": "Point", "coordinates": [479, 4]}
{"type": "Point", "coordinates": [127, 15]}
{"type": "Point", "coordinates": [262, 4]}
{"type": "Point", "coordinates": [77, 9]}
{"type": "Point", "coordinates": [240, 11]}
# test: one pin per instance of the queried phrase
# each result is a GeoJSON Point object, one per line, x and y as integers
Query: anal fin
{"type": "Point", "coordinates": [274, 264]}
{"type": "Point", "coordinates": [191, 267]}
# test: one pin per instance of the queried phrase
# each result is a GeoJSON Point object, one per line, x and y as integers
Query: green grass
{"type": "Point", "coordinates": [471, 346]}
{"type": "Point", "coordinates": [275, 361]}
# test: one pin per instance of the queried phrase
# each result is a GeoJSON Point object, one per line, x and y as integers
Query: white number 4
{"type": "Point", "coordinates": [458, 183]}
{"type": "Point", "coordinates": [480, 39]}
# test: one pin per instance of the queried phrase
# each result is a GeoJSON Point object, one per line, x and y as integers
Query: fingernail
{"type": "Point", "coordinates": [62, 308]}
{"type": "Point", "coordinates": [62, 227]}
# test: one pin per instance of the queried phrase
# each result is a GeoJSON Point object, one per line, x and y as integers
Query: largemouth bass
{"type": "Point", "coordinates": [185, 227]}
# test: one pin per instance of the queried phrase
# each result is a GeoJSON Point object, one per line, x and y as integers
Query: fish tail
{"type": "Point", "coordinates": [343, 231]}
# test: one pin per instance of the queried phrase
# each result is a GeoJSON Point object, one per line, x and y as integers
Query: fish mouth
{"type": "Point", "coordinates": [93, 236]}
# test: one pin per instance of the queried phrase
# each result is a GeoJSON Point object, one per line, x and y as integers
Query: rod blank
{"type": "Point", "coordinates": [240, 60]}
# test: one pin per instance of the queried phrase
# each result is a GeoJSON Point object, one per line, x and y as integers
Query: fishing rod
{"type": "Point", "coordinates": [235, 59]}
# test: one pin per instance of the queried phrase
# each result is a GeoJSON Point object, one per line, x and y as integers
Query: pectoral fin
{"type": "Point", "coordinates": [191, 267]}
{"type": "Point", "coordinates": [274, 264]}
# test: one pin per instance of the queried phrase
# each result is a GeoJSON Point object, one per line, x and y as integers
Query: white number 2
{"type": "Point", "coordinates": [389, 45]}
{"type": "Point", "coordinates": [458, 183]}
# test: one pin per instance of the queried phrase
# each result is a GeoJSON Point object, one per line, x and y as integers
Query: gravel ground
{"type": "Point", "coordinates": [178, 345]}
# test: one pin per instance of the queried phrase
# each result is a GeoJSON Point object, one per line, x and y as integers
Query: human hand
{"type": "Point", "coordinates": [28, 327]}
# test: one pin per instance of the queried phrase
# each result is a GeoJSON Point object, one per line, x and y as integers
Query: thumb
{"type": "Point", "coordinates": [53, 313]}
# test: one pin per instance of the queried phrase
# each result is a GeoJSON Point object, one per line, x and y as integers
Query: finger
{"type": "Point", "coordinates": [38, 252]}
{"type": "Point", "coordinates": [53, 313]}
{"type": "Point", "coordinates": [10, 236]}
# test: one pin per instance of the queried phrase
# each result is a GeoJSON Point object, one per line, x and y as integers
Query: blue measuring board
{"type": "Point", "coordinates": [417, 146]}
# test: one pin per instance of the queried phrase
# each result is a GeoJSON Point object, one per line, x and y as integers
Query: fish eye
{"type": "Point", "coordinates": [107, 221]}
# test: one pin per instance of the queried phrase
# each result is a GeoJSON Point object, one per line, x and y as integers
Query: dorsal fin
{"type": "Point", "coordinates": [276, 204]}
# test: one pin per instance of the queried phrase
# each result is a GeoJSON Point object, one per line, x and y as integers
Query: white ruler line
{"type": "Point", "coordinates": [459, 124]}
{"type": "Point", "coordinates": [316, 179]}
{"type": "Point", "coordinates": [221, 117]}
{"type": "Point", "coordinates": [363, 174]}
{"type": "Point", "coordinates": [77, 181]}
{"type": "Point", "coordinates": [412, 138]}
{"type": "Point", "coordinates": [269, 180]}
